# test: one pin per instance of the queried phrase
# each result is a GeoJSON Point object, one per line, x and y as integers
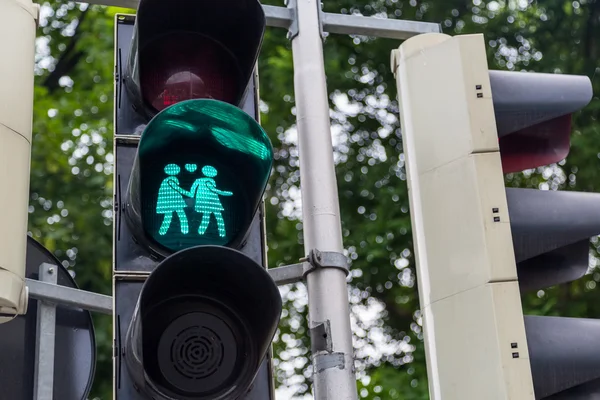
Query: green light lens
{"type": "Point", "coordinates": [204, 165]}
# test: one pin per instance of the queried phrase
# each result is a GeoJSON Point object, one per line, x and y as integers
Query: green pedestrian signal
{"type": "Point", "coordinates": [203, 191]}
{"type": "Point", "coordinates": [202, 167]}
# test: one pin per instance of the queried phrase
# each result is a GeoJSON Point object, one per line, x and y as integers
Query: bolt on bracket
{"type": "Point", "coordinates": [294, 29]}
{"type": "Point", "coordinates": [317, 259]}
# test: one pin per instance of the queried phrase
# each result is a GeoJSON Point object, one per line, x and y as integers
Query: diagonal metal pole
{"type": "Point", "coordinates": [328, 309]}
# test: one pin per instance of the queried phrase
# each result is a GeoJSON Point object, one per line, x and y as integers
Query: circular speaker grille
{"type": "Point", "coordinates": [197, 353]}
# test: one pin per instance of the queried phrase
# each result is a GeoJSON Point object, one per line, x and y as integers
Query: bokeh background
{"type": "Point", "coordinates": [72, 164]}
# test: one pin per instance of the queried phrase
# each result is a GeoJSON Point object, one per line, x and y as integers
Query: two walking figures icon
{"type": "Point", "coordinates": [204, 192]}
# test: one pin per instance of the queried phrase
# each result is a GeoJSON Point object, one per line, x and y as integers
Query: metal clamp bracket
{"type": "Point", "coordinates": [294, 29]}
{"type": "Point", "coordinates": [316, 259]}
{"type": "Point", "coordinates": [325, 259]}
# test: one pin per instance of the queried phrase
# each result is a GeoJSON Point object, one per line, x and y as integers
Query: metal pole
{"type": "Point", "coordinates": [282, 17]}
{"type": "Point", "coordinates": [43, 382]}
{"type": "Point", "coordinates": [329, 315]}
{"type": "Point", "coordinates": [17, 46]}
{"type": "Point", "coordinates": [70, 297]}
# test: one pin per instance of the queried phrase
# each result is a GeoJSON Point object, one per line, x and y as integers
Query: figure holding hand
{"type": "Point", "coordinates": [170, 200]}
{"type": "Point", "coordinates": [207, 200]}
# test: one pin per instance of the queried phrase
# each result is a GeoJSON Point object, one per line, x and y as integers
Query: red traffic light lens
{"type": "Point", "coordinates": [184, 66]}
{"type": "Point", "coordinates": [542, 144]}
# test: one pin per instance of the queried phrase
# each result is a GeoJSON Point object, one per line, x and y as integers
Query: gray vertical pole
{"type": "Point", "coordinates": [45, 340]}
{"type": "Point", "coordinates": [329, 315]}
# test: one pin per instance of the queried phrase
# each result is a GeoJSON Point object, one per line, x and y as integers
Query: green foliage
{"type": "Point", "coordinates": [71, 168]}
{"type": "Point", "coordinates": [71, 173]}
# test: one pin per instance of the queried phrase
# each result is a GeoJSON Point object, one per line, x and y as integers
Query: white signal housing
{"type": "Point", "coordinates": [18, 23]}
{"type": "Point", "coordinates": [473, 321]}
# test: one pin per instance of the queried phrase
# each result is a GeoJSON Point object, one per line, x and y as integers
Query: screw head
{"type": "Point", "coordinates": [51, 270]}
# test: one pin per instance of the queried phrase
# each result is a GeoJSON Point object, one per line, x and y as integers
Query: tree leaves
{"type": "Point", "coordinates": [71, 181]}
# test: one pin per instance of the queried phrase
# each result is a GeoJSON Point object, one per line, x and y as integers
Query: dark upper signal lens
{"type": "Point", "coordinates": [183, 66]}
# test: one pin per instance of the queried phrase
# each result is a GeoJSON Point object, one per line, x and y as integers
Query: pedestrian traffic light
{"type": "Point", "coordinates": [195, 309]}
{"type": "Point", "coordinates": [478, 244]}
{"type": "Point", "coordinates": [215, 150]}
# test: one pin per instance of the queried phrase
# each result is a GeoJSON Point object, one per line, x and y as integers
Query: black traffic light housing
{"type": "Point", "coordinates": [551, 233]}
{"type": "Point", "coordinates": [165, 65]}
{"type": "Point", "coordinates": [533, 115]}
{"type": "Point", "coordinates": [551, 229]}
{"type": "Point", "coordinates": [203, 325]}
{"type": "Point", "coordinates": [177, 307]}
